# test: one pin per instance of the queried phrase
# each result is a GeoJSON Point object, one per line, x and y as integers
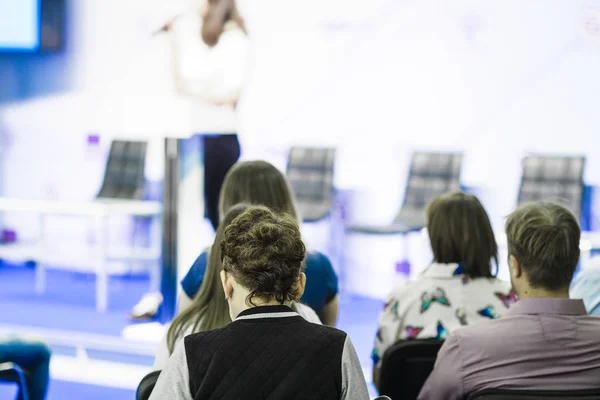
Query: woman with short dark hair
{"type": "Point", "coordinates": [268, 351]}
{"type": "Point", "coordinates": [459, 288]}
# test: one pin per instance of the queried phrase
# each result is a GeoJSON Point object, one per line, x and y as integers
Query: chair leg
{"type": "Point", "coordinates": [338, 228]}
{"type": "Point", "coordinates": [22, 393]}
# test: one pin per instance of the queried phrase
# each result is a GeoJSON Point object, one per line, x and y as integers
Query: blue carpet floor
{"type": "Point", "coordinates": [73, 391]}
{"type": "Point", "coordinates": [69, 304]}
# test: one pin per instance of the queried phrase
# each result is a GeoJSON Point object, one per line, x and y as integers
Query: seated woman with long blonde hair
{"type": "Point", "coordinates": [260, 183]}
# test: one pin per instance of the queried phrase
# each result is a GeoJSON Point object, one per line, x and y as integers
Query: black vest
{"type": "Point", "coordinates": [266, 354]}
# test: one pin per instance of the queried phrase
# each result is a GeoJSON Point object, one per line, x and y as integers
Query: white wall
{"type": "Point", "coordinates": [495, 79]}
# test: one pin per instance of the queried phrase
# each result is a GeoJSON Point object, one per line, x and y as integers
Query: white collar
{"type": "Point", "coordinates": [438, 270]}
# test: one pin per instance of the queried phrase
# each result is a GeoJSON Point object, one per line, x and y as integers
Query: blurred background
{"type": "Point", "coordinates": [88, 84]}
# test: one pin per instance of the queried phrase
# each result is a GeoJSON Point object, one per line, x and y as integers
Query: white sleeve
{"type": "Point", "coordinates": [354, 386]}
{"type": "Point", "coordinates": [162, 354]}
{"type": "Point", "coordinates": [214, 74]}
{"type": "Point", "coordinates": [307, 313]}
{"type": "Point", "coordinates": [174, 381]}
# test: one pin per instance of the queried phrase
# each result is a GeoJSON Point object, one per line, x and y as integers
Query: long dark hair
{"type": "Point", "coordinates": [460, 232]}
{"type": "Point", "coordinates": [209, 309]}
{"type": "Point", "coordinates": [218, 14]}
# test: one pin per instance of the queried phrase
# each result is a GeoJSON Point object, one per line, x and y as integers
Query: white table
{"type": "Point", "coordinates": [98, 210]}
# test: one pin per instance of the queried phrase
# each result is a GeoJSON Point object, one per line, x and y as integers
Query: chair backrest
{"type": "Point", "coordinates": [430, 175]}
{"type": "Point", "coordinates": [502, 394]}
{"type": "Point", "coordinates": [406, 366]}
{"type": "Point", "coordinates": [124, 175]}
{"type": "Point", "coordinates": [146, 386]}
{"type": "Point", "coordinates": [553, 178]}
{"type": "Point", "coordinates": [11, 372]}
{"type": "Point", "coordinates": [310, 172]}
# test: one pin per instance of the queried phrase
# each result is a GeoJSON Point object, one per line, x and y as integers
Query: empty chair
{"type": "Point", "coordinates": [501, 394]}
{"type": "Point", "coordinates": [553, 178]}
{"type": "Point", "coordinates": [124, 175]}
{"type": "Point", "coordinates": [430, 175]}
{"type": "Point", "coordinates": [144, 389]}
{"type": "Point", "coordinates": [11, 372]}
{"type": "Point", "coordinates": [310, 172]}
{"type": "Point", "coordinates": [406, 366]}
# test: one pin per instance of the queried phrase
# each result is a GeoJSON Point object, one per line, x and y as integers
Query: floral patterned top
{"type": "Point", "coordinates": [439, 302]}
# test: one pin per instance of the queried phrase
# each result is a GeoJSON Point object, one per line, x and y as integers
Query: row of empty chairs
{"type": "Point", "coordinates": [544, 177]}
{"type": "Point", "coordinates": [311, 173]}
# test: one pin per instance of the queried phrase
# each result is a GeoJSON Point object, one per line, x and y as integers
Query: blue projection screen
{"type": "Point", "coordinates": [20, 25]}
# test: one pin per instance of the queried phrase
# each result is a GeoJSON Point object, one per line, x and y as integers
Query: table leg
{"type": "Point", "coordinates": [40, 269]}
{"type": "Point", "coordinates": [100, 265]}
{"type": "Point", "coordinates": [155, 265]}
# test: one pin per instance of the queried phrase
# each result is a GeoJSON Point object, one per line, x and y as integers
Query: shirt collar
{"type": "Point", "coordinates": [438, 270]}
{"type": "Point", "coordinates": [547, 306]}
{"type": "Point", "coordinates": [267, 312]}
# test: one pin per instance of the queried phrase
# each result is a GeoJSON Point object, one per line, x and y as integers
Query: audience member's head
{"type": "Point", "coordinates": [543, 249]}
{"type": "Point", "coordinates": [257, 183]}
{"type": "Point", "coordinates": [460, 232]}
{"type": "Point", "coordinates": [209, 309]}
{"type": "Point", "coordinates": [262, 254]}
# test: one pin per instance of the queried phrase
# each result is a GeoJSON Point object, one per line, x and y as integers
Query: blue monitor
{"type": "Point", "coordinates": [20, 22]}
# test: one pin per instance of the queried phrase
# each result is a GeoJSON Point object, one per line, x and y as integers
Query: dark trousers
{"type": "Point", "coordinates": [220, 153]}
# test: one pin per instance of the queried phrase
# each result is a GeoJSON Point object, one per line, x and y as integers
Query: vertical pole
{"type": "Point", "coordinates": [101, 266]}
{"type": "Point", "coordinates": [42, 261]}
{"type": "Point", "coordinates": [169, 241]}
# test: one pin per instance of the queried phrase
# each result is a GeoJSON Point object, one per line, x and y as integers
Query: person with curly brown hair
{"type": "Point", "coordinates": [209, 309]}
{"type": "Point", "coordinates": [268, 351]}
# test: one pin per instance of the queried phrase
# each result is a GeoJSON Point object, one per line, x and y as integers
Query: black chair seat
{"type": "Point", "coordinates": [503, 394]}
{"type": "Point", "coordinates": [124, 175]}
{"type": "Point", "coordinates": [430, 175]}
{"type": "Point", "coordinates": [553, 178]}
{"type": "Point", "coordinates": [310, 171]}
{"type": "Point", "coordinates": [146, 386]}
{"type": "Point", "coordinates": [406, 366]}
{"type": "Point", "coordinates": [313, 212]}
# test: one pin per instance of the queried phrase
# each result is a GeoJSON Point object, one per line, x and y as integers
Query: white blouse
{"type": "Point", "coordinates": [163, 354]}
{"type": "Point", "coordinates": [216, 74]}
{"type": "Point", "coordinates": [441, 301]}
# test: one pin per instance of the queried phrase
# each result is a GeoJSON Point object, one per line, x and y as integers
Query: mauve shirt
{"type": "Point", "coordinates": [549, 344]}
